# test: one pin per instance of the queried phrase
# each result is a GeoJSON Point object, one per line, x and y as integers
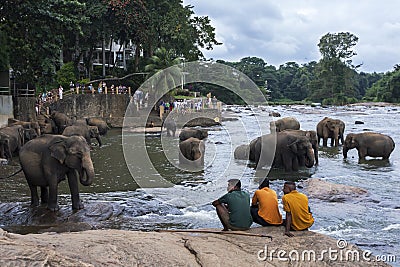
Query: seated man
{"type": "Point", "coordinates": [233, 208]}
{"type": "Point", "coordinates": [298, 215]}
{"type": "Point", "coordinates": [264, 206]}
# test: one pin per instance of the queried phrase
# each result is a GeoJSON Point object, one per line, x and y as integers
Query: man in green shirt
{"type": "Point", "coordinates": [233, 208]}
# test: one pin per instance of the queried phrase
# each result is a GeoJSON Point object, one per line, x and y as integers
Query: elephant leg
{"type": "Point", "coordinates": [332, 142]}
{"type": "Point", "coordinates": [74, 189]}
{"type": "Point", "coordinates": [53, 191]}
{"type": "Point", "coordinates": [325, 141]}
{"type": "Point", "coordinates": [34, 195]}
{"type": "Point", "coordinates": [44, 194]}
{"type": "Point", "coordinates": [295, 164]}
{"type": "Point", "coordinates": [362, 152]}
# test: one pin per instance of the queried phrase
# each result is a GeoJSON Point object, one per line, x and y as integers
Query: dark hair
{"type": "Point", "coordinates": [264, 183]}
{"type": "Point", "coordinates": [291, 184]}
{"type": "Point", "coordinates": [235, 182]}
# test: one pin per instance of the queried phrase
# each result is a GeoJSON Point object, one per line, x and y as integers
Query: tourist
{"type": "Point", "coordinates": [100, 88]}
{"type": "Point", "coordinates": [298, 214]}
{"type": "Point", "coordinates": [233, 208]}
{"type": "Point", "coordinates": [60, 91]}
{"type": "Point", "coordinates": [71, 87]}
{"type": "Point", "coordinates": [264, 206]}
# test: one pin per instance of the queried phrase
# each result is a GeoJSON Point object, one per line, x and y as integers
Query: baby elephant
{"type": "Point", "coordinates": [191, 152]}
{"type": "Point", "coordinates": [369, 144]}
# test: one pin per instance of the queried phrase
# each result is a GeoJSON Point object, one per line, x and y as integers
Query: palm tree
{"type": "Point", "coordinates": [162, 79]}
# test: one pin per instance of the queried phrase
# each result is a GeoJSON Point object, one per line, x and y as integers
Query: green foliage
{"type": "Point", "coordinates": [66, 74]}
{"type": "Point", "coordinates": [386, 89]}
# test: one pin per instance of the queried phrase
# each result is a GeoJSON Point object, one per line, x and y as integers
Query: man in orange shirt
{"type": "Point", "coordinates": [264, 206]}
{"type": "Point", "coordinates": [298, 215]}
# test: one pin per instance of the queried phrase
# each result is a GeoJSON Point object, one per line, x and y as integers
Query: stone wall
{"type": "Point", "coordinates": [6, 109]}
{"type": "Point", "coordinates": [109, 107]}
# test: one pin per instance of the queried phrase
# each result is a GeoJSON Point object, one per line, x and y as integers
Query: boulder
{"type": "Point", "coordinates": [207, 247]}
{"type": "Point", "coordinates": [324, 190]}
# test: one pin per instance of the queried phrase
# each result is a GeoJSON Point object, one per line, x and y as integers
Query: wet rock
{"type": "Point", "coordinates": [358, 122]}
{"type": "Point", "coordinates": [323, 190]}
{"type": "Point", "coordinates": [274, 114]}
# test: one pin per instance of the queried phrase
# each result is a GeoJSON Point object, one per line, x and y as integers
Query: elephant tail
{"type": "Point", "coordinates": [11, 175]}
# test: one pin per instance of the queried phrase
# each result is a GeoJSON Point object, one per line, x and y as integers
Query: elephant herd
{"type": "Point", "coordinates": [51, 149]}
{"type": "Point", "coordinates": [290, 148]}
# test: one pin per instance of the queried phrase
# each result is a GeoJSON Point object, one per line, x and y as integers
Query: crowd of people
{"type": "Point", "coordinates": [235, 213]}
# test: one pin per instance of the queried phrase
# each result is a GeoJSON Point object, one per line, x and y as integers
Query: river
{"type": "Point", "coordinates": [372, 222]}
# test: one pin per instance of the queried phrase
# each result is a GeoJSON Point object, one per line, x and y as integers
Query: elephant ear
{"type": "Point", "coordinates": [293, 146]}
{"type": "Point", "coordinates": [58, 151]}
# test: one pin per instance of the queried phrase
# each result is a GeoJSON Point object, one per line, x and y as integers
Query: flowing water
{"type": "Point", "coordinates": [373, 222]}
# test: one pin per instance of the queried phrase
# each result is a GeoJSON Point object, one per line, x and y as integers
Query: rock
{"type": "Point", "coordinates": [320, 189]}
{"type": "Point", "coordinates": [274, 114]}
{"type": "Point", "coordinates": [358, 122]}
{"type": "Point", "coordinates": [135, 248]}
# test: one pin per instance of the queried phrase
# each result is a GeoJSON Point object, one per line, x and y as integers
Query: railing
{"type": "Point", "coordinates": [5, 90]}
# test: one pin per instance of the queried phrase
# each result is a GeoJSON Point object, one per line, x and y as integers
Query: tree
{"type": "Point", "coordinates": [161, 60]}
{"type": "Point", "coordinates": [335, 75]}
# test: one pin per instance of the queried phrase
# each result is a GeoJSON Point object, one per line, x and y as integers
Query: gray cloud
{"type": "Point", "coordinates": [282, 31]}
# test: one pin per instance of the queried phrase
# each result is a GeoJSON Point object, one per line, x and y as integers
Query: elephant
{"type": "Point", "coordinates": [284, 123]}
{"type": "Point", "coordinates": [191, 151]}
{"type": "Point", "coordinates": [15, 138]}
{"type": "Point", "coordinates": [29, 134]}
{"type": "Point", "coordinates": [369, 144]}
{"type": "Point", "coordinates": [61, 120]}
{"type": "Point", "coordinates": [292, 151]}
{"type": "Point", "coordinates": [242, 152]}
{"type": "Point", "coordinates": [46, 124]}
{"type": "Point", "coordinates": [331, 128]}
{"type": "Point", "coordinates": [46, 161]}
{"type": "Point", "coordinates": [87, 132]}
{"type": "Point", "coordinates": [5, 151]}
{"type": "Point", "coordinates": [312, 137]}
{"type": "Point", "coordinates": [170, 126]}
{"type": "Point", "coordinates": [26, 125]}
{"type": "Point", "coordinates": [196, 133]}
{"type": "Point", "coordinates": [101, 125]}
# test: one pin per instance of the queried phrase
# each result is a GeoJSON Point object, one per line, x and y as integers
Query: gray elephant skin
{"type": "Point", "coordinates": [5, 152]}
{"type": "Point", "coordinates": [196, 133]}
{"type": "Point", "coordinates": [292, 151]}
{"type": "Point", "coordinates": [330, 128]}
{"type": "Point", "coordinates": [369, 144]}
{"type": "Point", "coordinates": [27, 125]}
{"type": "Point", "coordinates": [15, 138]}
{"type": "Point", "coordinates": [191, 152]}
{"type": "Point", "coordinates": [170, 127]}
{"type": "Point", "coordinates": [48, 159]}
{"type": "Point", "coordinates": [88, 132]}
{"type": "Point", "coordinates": [61, 120]}
{"type": "Point", "coordinates": [284, 124]}
{"type": "Point", "coordinates": [312, 137]}
{"type": "Point", "coordinates": [101, 125]}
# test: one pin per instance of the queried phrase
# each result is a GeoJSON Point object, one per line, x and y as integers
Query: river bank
{"type": "Point", "coordinates": [136, 248]}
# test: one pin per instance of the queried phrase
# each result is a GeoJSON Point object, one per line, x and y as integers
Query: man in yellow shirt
{"type": "Point", "coordinates": [298, 215]}
{"type": "Point", "coordinates": [264, 206]}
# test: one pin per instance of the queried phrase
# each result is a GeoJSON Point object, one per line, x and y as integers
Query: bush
{"type": "Point", "coordinates": [66, 74]}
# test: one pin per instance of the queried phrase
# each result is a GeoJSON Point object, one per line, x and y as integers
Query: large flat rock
{"type": "Point", "coordinates": [134, 248]}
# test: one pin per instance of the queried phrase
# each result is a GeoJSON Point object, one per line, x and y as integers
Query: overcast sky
{"type": "Point", "coordinates": [290, 30]}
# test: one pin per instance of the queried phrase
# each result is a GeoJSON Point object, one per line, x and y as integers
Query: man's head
{"type": "Point", "coordinates": [264, 183]}
{"type": "Point", "coordinates": [234, 184]}
{"type": "Point", "coordinates": [289, 187]}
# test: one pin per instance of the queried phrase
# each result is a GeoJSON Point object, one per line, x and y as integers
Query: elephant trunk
{"type": "Point", "coordinates": [309, 159]}
{"type": "Point", "coordinates": [336, 136]}
{"type": "Point", "coordinates": [87, 173]}
{"type": "Point", "coordinates": [98, 140]}
{"type": "Point", "coordinates": [345, 150]}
